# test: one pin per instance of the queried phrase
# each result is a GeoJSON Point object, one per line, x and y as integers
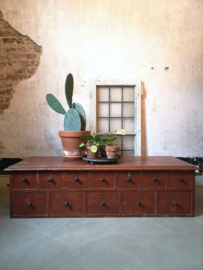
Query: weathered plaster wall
{"type": "Point", "coordinates": [110, 39]}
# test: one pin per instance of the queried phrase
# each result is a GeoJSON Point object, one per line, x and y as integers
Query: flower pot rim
{"type": "Point", "coordinates": [74, 133]}
{"type": "Point", "coordinates": [112, 148]}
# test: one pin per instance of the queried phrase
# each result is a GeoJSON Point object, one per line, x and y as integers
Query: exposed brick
{"type": "Point", "coordinates": [31, 55]}
{"type": "Point", "coordinates": [13, 77]}
{"type": "Point", "coordinates": [20, 41]}
{"type": "Point", "coordinates": [31, 70]}
{"type": "Point", "coordinates": [3, 106]}
{"type": "Point", "coordinates": [19, 60]}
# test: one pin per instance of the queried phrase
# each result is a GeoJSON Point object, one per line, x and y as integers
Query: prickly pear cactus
{"type": "Point", "coordinates": [72, 121]}
{"type": "Point", "coordinates": [69, 90]}
{"type": "Point", "coordinates": [75, 118]}
{"type": "Point", "coordinates": [81, 112]}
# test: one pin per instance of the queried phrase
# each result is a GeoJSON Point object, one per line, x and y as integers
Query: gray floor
{"type": "Point", "coordinates": [101, 243]}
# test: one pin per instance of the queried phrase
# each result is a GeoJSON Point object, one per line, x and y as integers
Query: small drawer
{"type": "Point", "coordinates": [128, 180]}
{"type": "Point", "coordinates": [50, 180]}
{"type": "Point", "coordinates": [76, 180]}
{"type": "Point", "coordinates": [103, 180]}
{"type": "Point", "coordinates": [70, 203]}
{"type": "Point", "coordinates": [138, 203]}
{"type": "Point", "coordinates": [174, 203]}
{"type": "Point", "coordinates": [103, 203]}
{"type": "Point", "coordinates": [30, 204]}
{"type": "Point", "coordinates": [154, 180]}
{"type": "Point", "coordinates": [179, 180]}
{"type": "Point", "coordinates": [24, 180]}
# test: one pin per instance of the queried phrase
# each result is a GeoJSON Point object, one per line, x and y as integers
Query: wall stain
{"type": "Point", "coordinates": [19, 60]}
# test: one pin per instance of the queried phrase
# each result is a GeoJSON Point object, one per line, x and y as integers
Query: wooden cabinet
{"type": "Point", "coordinates": [136, 186]}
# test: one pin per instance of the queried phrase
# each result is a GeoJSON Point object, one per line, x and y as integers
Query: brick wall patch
{"type": "Point", "coordinates": [19, 60]}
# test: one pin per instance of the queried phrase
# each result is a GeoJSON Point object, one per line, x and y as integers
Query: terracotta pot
{"type": "Point", "coordinates": [112, 152]}
{"type": "Point", "coordinates": [70, 141]}
{"type": "Point", "coordinates": [90, 154]}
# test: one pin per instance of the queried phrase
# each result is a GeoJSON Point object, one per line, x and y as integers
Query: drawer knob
{"type": "Point", "coordinates": [154, 179]}
{"type": "Point", "coordinates": [102, 203]}
{"type": "Point", "coordinates": [129, 179]}
{"type": "Point", "coordinates": [66, 203]}
{"type": "Point", "coordinates": [175, 203]}
{"type": "Point", "coordinates": [138, 203]}
{"type": "Point", "coordinates": [102, 179]}
{"type": "Point", "coordinates": [24, 180]}
{"type": "Point", "coordinates": [180, 179]}
{"type": "Point", "coordinates": [76, 179]}
{"type": "Point", "coordinates": [29, 204]}
{"type": "Point", "coordinates": [50, 179]}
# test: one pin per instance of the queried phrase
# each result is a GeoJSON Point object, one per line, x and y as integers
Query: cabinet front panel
{"type": "Point", "coordinates": [102, 203]}
{"type": "Point", "coordinates": [30, 204]}
{"type": "Point", "coordinates": [129, 180]}
{"type": "Point", "coordinates": [24, 180]}
{"type": "Point", "coordinates": [76, 180]}
{"type": "Point", "coordinates": [179, 180]}
{"type": "Point", "coordinates": [154, 180]}
{"type": "Point", "coordinates": [70, 203]}
{"type": "Point", "coordinates": [102, 180]}
{"type": "Point", "coordinates": [50, 180]}
{"type": "Point", "coordinates": [174, 203]}
{"type": "Point", "coordinates": [138, 203]}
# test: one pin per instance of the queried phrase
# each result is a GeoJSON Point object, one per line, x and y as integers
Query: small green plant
{"type": "Point", "coordinates": [97, 140]}
{"type": "Point", "coordinates": [75, 118]}
{"type": "Point", "coordinates": [94, 141]}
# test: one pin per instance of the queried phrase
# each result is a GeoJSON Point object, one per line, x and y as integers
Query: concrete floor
{"type": "Point", "coordinates": [101, 243]}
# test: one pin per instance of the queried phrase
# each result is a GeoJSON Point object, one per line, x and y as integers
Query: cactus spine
{"type": "Point", "coordinates": [75, 118]}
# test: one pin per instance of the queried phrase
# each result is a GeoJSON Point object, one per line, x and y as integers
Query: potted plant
{"type": "Point", "coordinates": [74, 121]}
{"type": "Point", "coordinates": [92, 145]}
{"type": "Point", "coordinates": [111, 145]}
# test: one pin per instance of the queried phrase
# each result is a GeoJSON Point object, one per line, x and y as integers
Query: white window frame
{"type": "Point", "coordinates": [94, 84]}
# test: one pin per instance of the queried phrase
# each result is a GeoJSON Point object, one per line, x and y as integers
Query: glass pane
{"type": "Point", "coordinates": [128, 142]}
{"type": "Point", "coordinates": [128, 153]}
{"type": "Point", "coordinates": [115, 94]}
{"type": "Point", "coordinates": [102, 110]}
{"type": "Point", "coordinates": [115, 110]}
{"type": "Point", "coordinates": [128, 125]}
{"type": "Point", "coordinates": [102, 125]}
{"type": "Point", "coordinates": [102, 94]}
{"type": "Point", "coordinates": [115, 124]}
{"type": "Point", "coordinates": [128, 110]}
{"type": "Point", "coordinates": [128, 94]}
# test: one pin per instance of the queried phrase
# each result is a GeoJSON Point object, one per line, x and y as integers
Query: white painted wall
{"type": "Point", "coordinates": [110, 39]}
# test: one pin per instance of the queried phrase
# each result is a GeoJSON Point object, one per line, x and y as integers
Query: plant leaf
{"type": "Point", "coordinates": [55, 104]}
{"type": "Point", "coordinates": [69, 89]}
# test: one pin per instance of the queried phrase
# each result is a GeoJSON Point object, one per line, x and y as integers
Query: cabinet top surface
{"type": "Point", "coordinates": [125, 163]}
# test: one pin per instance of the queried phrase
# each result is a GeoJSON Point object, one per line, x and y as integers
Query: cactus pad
{"type": "Point", "coordinates": [81, 112]}
{"type": "Point", "coordinates": [72, 121]}
{"type": "Point", "coordinates": [55, 104]}
{"type": "Point", "coordinates": [69, 89]}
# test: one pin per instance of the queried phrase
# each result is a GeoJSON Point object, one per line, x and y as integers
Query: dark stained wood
{"type": "Point", "coordinates": [125, 163]}
{"type": "Point", "coordinates": [174, 183]}
{"type": "Point", "coordinates": [123, 182]}
{"type": "Point", "coordinates": [110, 199]}
{"type": "Point", "coordinates": [183, 200]}
{"type": "Point", "coordinates": [44, 183]}
{"type": "Point", "coordinates": [39, 205]}
{"type": "Point", "coordinates": [75, 203]}
{"type": "Point", "coordinates": [146, 200]}
{"type": "Point", "coordinates": [119, 195]}
{"type": "Point", "coordinates": [30, 180]}
{"type": "Point", "coordinates": [149, 183]}
{"type": "Point", "coordinates": [82, 183]}
{"type": "Point", "coordinates": [108, 181]}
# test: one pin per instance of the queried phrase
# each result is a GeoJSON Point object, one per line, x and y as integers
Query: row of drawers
{"type": "Point", "coordinates": [103, 180]}
{"type": "Point", "coordinates": [101, 203]}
